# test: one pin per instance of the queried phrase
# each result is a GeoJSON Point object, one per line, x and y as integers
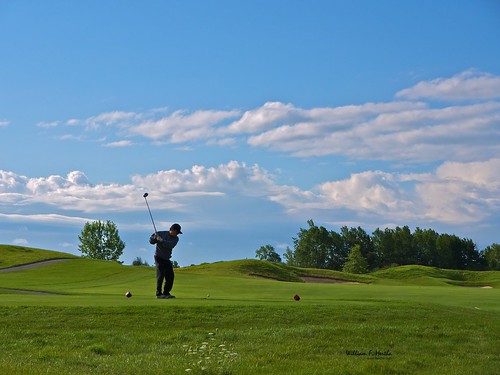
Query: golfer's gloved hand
{"type": "Point", "coordinates": [158, 238]}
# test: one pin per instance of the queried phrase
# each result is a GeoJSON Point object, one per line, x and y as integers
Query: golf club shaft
{"type": "Point", "coordinates": [147, 204]}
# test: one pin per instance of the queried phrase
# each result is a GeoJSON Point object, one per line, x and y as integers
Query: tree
{"type": "Point", "coordinates": [100, 240]}
{"type": "Point", "coordinates": [139, 262]}
{"type": "Point", "coordinates": [356, 262]}
{"type": "Point", "coordinates": [357, 236]}
{"type": "Point", "coordinates": [337, 251]}
{"type": "Point", "coordinates": [447, 246]}
{"type": "Point", "coordinates": [492, 256]}
{"type": "Point", "coordinates": [289, 257]}
{"type": "Point", "coordinates": [404, 248]}
{"type": "Point", "coordinates": [314, 247]}
{"type": "Point", "coordinates": [267, 253]}
{"type": "Point", "coordinates": [394, 246]}
{"type": "Point", "coordinates": [383, 241]}
{"type": "Point", "coordinates": [425, 241]}
{"type": "Point", "coordinates": [469, 258]}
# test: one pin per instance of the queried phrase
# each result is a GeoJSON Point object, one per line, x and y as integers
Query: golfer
{"type": "Point", "coordinates": [165, 242]}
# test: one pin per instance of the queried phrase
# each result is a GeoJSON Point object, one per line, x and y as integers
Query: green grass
{"type": "Point", "coordinates": [434, 276]}
{"type": "Point", "coordinates": [271, 339]}
{"type": "Point", "coordinates": [11, 255]}
{"type": "Point", "coordinates": [396, 322]}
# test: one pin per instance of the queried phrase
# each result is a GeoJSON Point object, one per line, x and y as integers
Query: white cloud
{"type": "Point", "coordinates": [453, 193]}
{"type": "Point", "coordinates": [181, 126]}
{"type": "Point", "coordinates": [48, 125]}
{"type": "Point", "coordinates": [20, 241]}
{"type": "Point", "coordinates": [402, 130]}
{"type": "Point", "coordinates": [78, 178]}
{"type": "Point", "coordinates": [72, 192]}
{"type": "Point", "coordinates": [369, 192]}
{"type": "Point", "coordinates": [54, 183]}
{"type": "Point", "coordinates": [173, 189]}
{"type": "Point", "coordinates": [326, 131]}
{"type": "Point", "coordinates": [468, 85]}
{"type": "Point", "coordinates": [45, 218]}
{"type": "Point", "coordinates": [484, 173]}
{"type": "Point", "coordinates": [462, 192]}
{"type": "Point", "coordinates": [10, 182]}
{"type": "Point", "coordinates": [118, 144]}
{"type": "Point", "coordinates": [4, 123]}
{"type": "Point", "coordinates": [116, 118]}
{"type": "Point", "coordinates": [233, 176]}
{"type": "Point", "coordinates": [269, 115]}
{"type": "Point", "coordinates": [71, 137]}
{"type": "Point", "coordinates": [177, 127]}
{"type": "Point", "coordinates": [414, 133]}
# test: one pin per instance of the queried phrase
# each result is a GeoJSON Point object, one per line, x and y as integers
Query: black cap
{"type": "Point", "coordinates": [176, 227]}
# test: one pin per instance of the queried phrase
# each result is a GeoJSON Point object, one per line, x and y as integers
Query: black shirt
{"type": "Point", "coordinates": [165, 246]}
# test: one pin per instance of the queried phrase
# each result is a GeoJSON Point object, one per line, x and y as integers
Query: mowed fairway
{"type": "Point", "coordinates": [227, 322]}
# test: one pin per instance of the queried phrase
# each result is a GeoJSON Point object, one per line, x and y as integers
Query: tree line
{"type": "Point", "coordinates": [354, 250]}
{"type": "Point", "coordinates": [351, 250]}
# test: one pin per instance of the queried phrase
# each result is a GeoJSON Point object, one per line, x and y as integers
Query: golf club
{"type": "Point", "coordinates": [145, 198]}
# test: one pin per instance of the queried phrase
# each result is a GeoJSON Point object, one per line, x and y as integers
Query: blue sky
{"type": "Point", "coordinates": [245, 119]}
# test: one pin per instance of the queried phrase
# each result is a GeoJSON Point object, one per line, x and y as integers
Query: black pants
{"type": "Point", "coordinates": [164, 271]}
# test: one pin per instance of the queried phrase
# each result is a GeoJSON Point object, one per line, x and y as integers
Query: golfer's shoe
{"type": "Point", "coordinates": [161, 296]}
{"type": "Point", "coordinates": [168, 296]}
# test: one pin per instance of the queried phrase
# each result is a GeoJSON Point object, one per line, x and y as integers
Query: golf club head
{"type": "Point", "coordinates": [145, 195]}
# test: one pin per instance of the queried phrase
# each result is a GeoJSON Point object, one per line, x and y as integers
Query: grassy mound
{"type": "Point", "coordinates": [269, 270]}
{"type": "Point", "coordinates": [248, 268]}
{"type": "Point", "coordinates": [78, 276]}
{"type": "Point", "coordinates": [274, 271]}
{"type": "Point", "coordinates": [401, 275]}
{"type": "Point", "coordinates": [422, 275]}
{"type": "Point", "coordinates": [11, 255]}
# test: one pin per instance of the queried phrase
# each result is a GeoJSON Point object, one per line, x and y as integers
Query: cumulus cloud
{"type": "Point", "coordinates": [453, 193]}
{"type": "Point", "coordinates": [233, 176]}
{"type": "Point", "coordinates": [369, 192]}
{"type": "Point", "coordinates": [71, 192]}
{"type": "Point", "coordinates": [484, 173]}
{"type": "Point", "coordinates": [4, 123]}
{"type": "Point", "coordinates": [10, 181]}
{"type": "Point", "coordinates": [462, 192]}
{"type": "Point", "coordinates": [468, 85]}
{"type": "Point", "coordinates": [173, 189]}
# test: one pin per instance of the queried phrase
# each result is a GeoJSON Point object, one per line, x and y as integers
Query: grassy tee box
{"type": "Point", "coordinates": [11, 255]}
{"type": "Point", "coordinates": [234, 317]}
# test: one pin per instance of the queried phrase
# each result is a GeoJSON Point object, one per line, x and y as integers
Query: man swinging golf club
{"type": "Point", "coordinates": [165, 241]}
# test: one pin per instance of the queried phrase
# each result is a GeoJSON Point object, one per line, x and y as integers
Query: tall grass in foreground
{"type": "Point", "coordinates": [267, 338]}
